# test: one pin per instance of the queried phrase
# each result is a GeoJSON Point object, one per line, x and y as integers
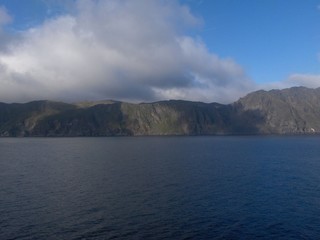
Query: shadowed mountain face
{"type": "Point", "coordinates": [293, 110]}
{"type": "Point", "coordinates": [288, 111]}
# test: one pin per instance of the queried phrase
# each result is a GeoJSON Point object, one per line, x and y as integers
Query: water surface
{"type": "Point", "coordinates": [160, 188]}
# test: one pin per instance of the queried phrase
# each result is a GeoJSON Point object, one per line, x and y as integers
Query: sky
{"type": "Point", "coordinates": [150, 50]}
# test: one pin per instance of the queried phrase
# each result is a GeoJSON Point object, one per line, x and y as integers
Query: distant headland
{"type": "Point", "coordinates": [288, 111]}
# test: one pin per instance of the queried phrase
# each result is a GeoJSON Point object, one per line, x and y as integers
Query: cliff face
{"type": "Point", "coordinates": [184, 118]}
{"type": "Point", "coordinates": [45, 118]}
{"type": "Point", "coordinates": [20, 119]}
{"type": "Point", "coordinates": [171, 118]}
{"type": "Point", "coordinates": [294, 110]}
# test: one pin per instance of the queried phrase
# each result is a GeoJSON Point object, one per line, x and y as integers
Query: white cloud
{"type": "Point", "coordinates": [133, 50]}
{"type": "Point", "coordinates": [5, 18]}
{"type": "Point", "coordinates": [307, 80]}
{"type": "Point", "coordinates": [294, 80]}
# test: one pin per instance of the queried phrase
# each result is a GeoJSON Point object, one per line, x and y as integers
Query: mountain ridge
{"type": "Point", "coordinates": [288, 111]}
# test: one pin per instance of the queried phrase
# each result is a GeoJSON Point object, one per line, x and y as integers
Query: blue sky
{"type": "Point", "coordinates": [33, 12]}
{"type": "Point", "coordinates": [270, 38]}
{"type": "Point", "coordinates": [275, 43]}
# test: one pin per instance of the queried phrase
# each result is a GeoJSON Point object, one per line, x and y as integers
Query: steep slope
{"type": "Point", "coordinates": [160, 118]}
{"type": "Point", "coordinates": [20, 119]}
{"type": "Point", "coordinates": [185, 118]}
{"type": "Point", "coordinates": [111, 118]}
{"type": "Point", "coordinates": [293, 110]}
{"type": "Point", "coordinates": [95, 120]}
{"type": "Point", "coordinates": [288, 111]}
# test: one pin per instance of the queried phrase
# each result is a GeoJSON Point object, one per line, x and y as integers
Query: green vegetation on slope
{"type": "Point", "coordinates": [288, 111]}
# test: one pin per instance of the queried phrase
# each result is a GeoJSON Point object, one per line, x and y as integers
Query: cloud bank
{"type": "Point", "coordinates": [131, 50]}
{"type": "Point", "coordinates": [308, 80]}
{"type": "Point", "coordinates": [293, 80]}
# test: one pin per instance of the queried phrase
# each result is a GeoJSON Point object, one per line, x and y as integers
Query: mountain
{"type": "Point", "coordinates": [294, 110]}
{"type": "Point", "coordinates": [289, 111]}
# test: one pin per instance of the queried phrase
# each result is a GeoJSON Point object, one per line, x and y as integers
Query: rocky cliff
{"type": "Point", "coordinates": [287, 111]}
{"type": "Point", "coordinates": [293, 110]}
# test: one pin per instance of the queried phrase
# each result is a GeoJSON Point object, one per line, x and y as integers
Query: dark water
{"type": "Point", "coordinates": [160, 188]}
